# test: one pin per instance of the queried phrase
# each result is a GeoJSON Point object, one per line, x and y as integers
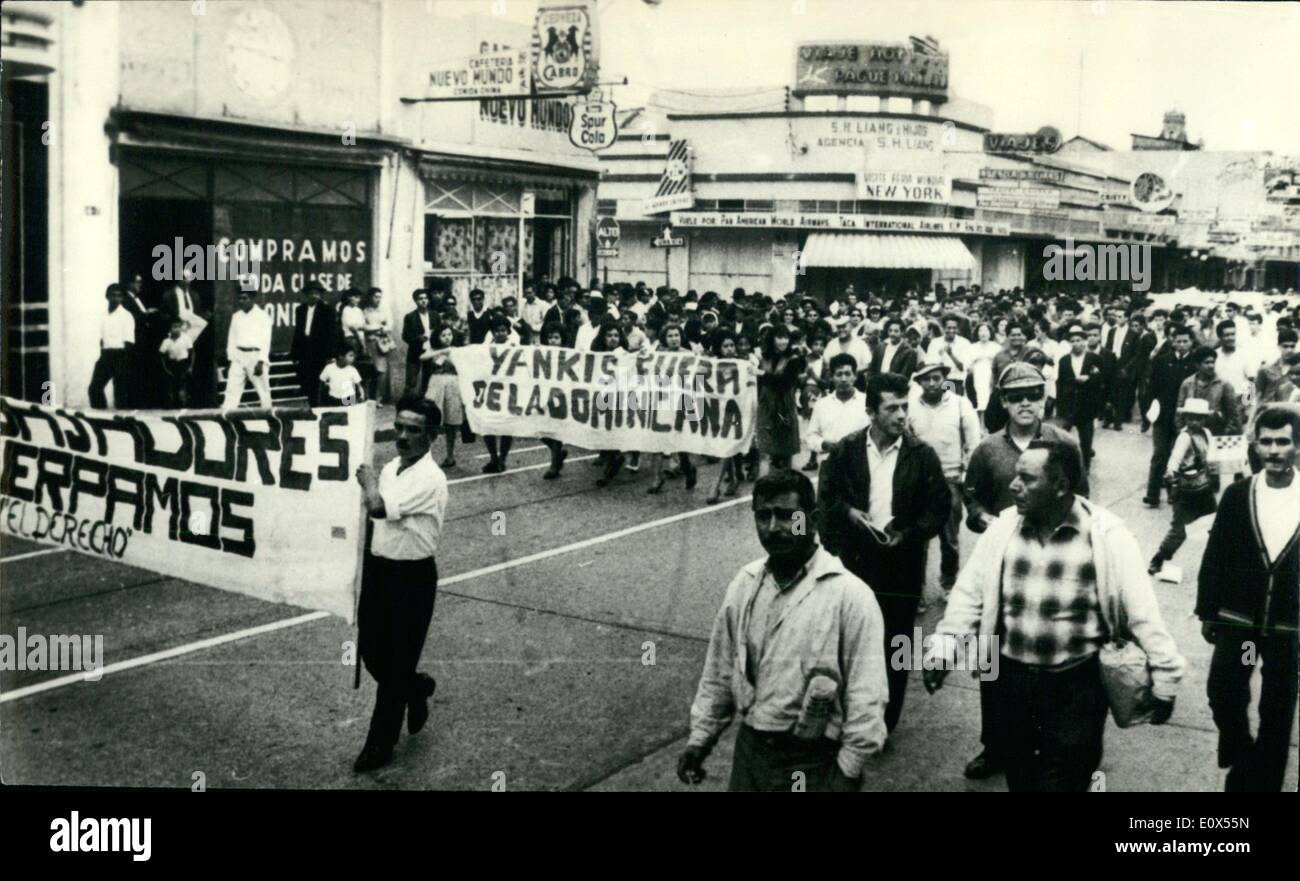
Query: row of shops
{"type": "Point", "coordinates": [270, 137]}
{"type": "Point", "coordinates": [847, 177]}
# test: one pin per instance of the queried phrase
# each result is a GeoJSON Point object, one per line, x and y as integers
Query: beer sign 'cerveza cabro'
{"type": "Point", "coordinates": [564, 47]}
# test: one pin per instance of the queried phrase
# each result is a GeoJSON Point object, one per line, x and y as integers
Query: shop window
{"type": "Point", "coordinates": [731, 204]}
{"type": "Point", "coordinates": [758, 204]}
{"type": "Point", "coordinates": [706, 204]}
{"type": "Point", "coordinates": [452, 243]}
{"type": "Point", "coordinates": [147, 177]}
{"type": "Point", "coordinates": [606, 207]}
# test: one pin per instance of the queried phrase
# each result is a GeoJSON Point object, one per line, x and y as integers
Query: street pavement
{"type": "Point", "coordinates": [570, 629]}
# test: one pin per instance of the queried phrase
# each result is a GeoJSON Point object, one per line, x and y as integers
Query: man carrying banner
{"type": "Point", "coordinates": [407, 502]}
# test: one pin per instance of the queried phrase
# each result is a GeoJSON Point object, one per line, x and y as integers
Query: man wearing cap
{"type": "Point", "coordinates": [1080, 388]}
{"type": "Point", "coordinates": [313, 331]}
{"type": "Point", "coordinates": [946, 421]}
{"type": "Point", "coordinates": [987, 490]}
{"type": "Point", "coordinates": [845, 343]}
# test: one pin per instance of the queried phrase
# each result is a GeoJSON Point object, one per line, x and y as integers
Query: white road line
{"type": "Point", "coordinates": [513, 452]}
{"type": "Point", "coordinates": [586, 543]}
{"type": "Point", "coordinates": [188, 648]}
{"type": "Point", "coordinates": [28, 556]}
{"type": "Point", "coordinates": [519, 470]}
{"type": "Point", "coordinates": [153, 658]}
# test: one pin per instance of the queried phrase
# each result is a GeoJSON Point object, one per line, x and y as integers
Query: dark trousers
{"type": "Point", "coordinates": [949, 552]}
{"type": "Point", "coordinates": [768, 762]}
{"type": "Point", "coordinates": [309, 380]}
{"type": "Point", "coordinates": [1121, 399]}
{"type": "Point", "coordinates": [896, 577]}
{"type": "Point", "coordinates": [1086, 428]}
{"type": "Point", "coordinates": [1189, 506]}
{"type": "Point", "coordinates": [393, 620]}
{"type": "Point", "coordinates": [1162, 444]}
{"type": "Point", "coordinates": [991, 727]}
{"type": "Point", "coordinates": [415, 373]}
{"type": "Point", "coordinates": [113, 366]}
{"type": "Point", "coordinates": [1052, 725]}
{"type": "Point", "coordinates": [1261, 766]}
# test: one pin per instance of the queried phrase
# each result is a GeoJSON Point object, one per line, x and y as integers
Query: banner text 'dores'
{"type": "Point", "coordinates": [262, 503]}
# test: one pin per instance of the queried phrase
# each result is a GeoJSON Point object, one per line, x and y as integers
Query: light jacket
{"type": "Point", "coordinates": [1128, 605]}
{"type": "Point", "coordinates": [950, 427]}
{"type": "Point", "coordinates": [830, 624]}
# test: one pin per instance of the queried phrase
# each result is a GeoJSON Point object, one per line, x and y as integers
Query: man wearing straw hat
{"type": "Point", "coordinates": [1188, 477]}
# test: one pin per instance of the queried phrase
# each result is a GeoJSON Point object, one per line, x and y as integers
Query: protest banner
{"type": "Point", "coordinates": [262, 503]}
{"type": "Point", "coordinates": [668, 402]}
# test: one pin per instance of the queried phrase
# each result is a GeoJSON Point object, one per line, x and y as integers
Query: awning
{"type": "Point", "coordinates": [863, 250]}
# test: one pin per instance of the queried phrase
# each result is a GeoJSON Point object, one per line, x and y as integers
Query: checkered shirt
{"type": "Point", "coordinates": [1050, 612]}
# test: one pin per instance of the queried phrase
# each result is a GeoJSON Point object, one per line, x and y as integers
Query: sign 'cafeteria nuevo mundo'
{"type": "Point", "coordinates": [916, 71]}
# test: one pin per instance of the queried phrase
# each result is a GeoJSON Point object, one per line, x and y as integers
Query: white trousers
{"type": "Point", "coordinates": [241, 373]}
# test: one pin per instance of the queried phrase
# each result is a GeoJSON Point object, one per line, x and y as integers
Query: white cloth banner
{"type": "Point", "coordinates": [262, 503]}
{"type": "Point", "coordinates": [665, 403]}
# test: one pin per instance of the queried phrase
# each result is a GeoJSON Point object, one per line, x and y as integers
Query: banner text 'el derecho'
{"type": "Point", "coordinates": [666, 402]}
{"type": "Point", "coordinates": [262, 503]}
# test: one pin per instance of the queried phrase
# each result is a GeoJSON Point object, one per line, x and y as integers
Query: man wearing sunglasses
{"type": "Point", "coordinates": [989, 474]}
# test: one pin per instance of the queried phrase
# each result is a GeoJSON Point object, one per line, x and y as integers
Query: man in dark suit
{"type": "Point", "coordinates": [1080, 389]}
{"type": "Point", "coordinates": [1170, 366]}
{"type": "Point", "coordinates": [880, 539]}
{"type": "Point", "coordinates": [313, 340]}
{"type": "Point", "coordinates": [893, 354]}
{"type": "Point", "coordinates": [479, 317]}
{"type": "Point", "coordinates": [418, 327]}
{"type": "Point", "coordinates": [1123, 347]}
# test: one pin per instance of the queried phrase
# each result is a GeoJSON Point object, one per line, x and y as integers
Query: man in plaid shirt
{"type": "Point", "coordinates": [1045, 581]}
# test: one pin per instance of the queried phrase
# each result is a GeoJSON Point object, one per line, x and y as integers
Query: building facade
{"type": "Point", "coordinates": [864, 180]}
{"type": "Point", "coordinates": [276, 131]}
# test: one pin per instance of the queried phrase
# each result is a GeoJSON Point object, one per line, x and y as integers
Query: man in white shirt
{"type": "Point", "coordinates": [407, 502]}
{"type": "Point", "coordinates": [845, 343]}
{"type": "Point", "coordinates": [248, 346]}
{"type": "Point", "coordinates": [838, 414]}
{"type": "Point", "coordinates": [948, 423]}
{"type": "Point", "coordinates": [1232, 364]}
{"type": "Point", "coordinates": [532, 313]}
{"type": "Point", "coordinates": [952, 350]}
{"type": "Point", "coordinates": [116, 338]}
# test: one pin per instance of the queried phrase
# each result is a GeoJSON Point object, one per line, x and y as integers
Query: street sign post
{"type": "Point", "coordinates": [607, 232]}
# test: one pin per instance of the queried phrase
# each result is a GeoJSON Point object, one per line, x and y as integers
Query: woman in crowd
{"type": "Point", "coordinates": [780, 372]}
{"type": "Point", "coordinates": [610, 338]}
{"type": "Point", "coordinates": [553, 335]}
{"type": "Point", "coordinates": [443, 388]}
{"type": "Point", "coordinates": [378, 331]}
{"type": "Point", "coordinates": [670, 342]}
{"type": "Point", "coordinates": [980, 375]}
{"type": "Point", "coordinates": [730, 472]}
